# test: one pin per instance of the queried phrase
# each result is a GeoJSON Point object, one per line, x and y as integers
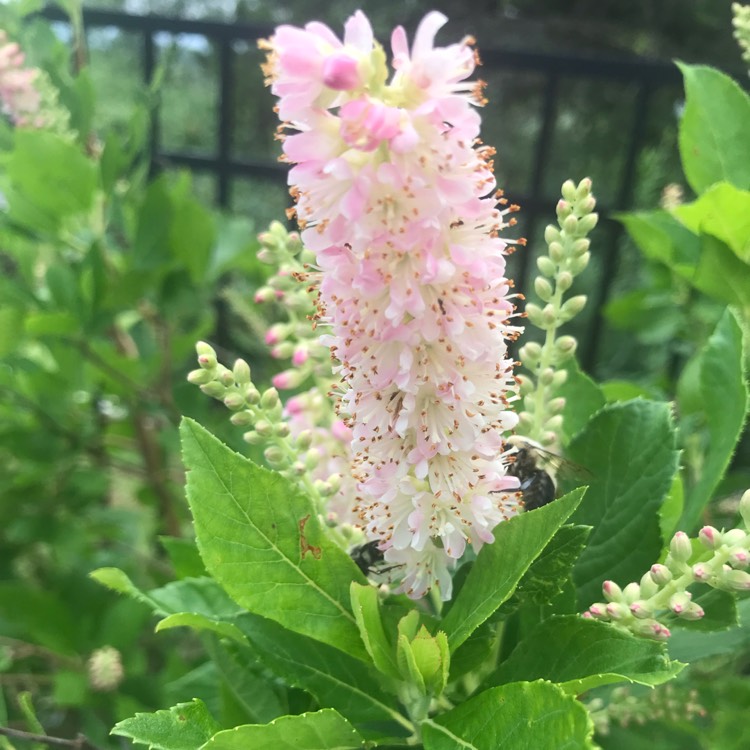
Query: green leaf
{"type": "Point", "coordinates": [629, 448]}
{"type": "Point", "coordinates": [366, 607]}
{"type": "Point", "coordinates": [721, 274]}
{"type": "Point", "coordinates": [580, 654]}
{"type": "Point", "coordinates": [723, 397]}
{"type": "Point", "coordinates": [500, 566]}
{"type": "Point", "coordinates": [184, 556]}
{"type": "Point", "coordinates": [671, 509]}
{"type": "Point", "coordinates": [583, 397]}
{"type": "Point", "coordinates": [322, 730]}
{"type": "Point", "coordinates": [722, 211]}
{"type": "Point", "coordinates": [185, 726]}
{"type": "Point", "coordinates": [151, 246]}
{"type": "Point", "coordinates": [662, 238]}
{"type": "Point", "coordinates": [714, 130]}
{"type": "Point", "coordinates": [330, 676]}
{"type": "Point", "coordinates": [261, 539]}
{"type": "Point", "coordinates": [520, 716]}
{"type": "Point", "coordinates": [623, 390]}
{"type": "Point", "coordinates": [11, 320]}
{"type": "Point", "coordinates": [548, 574]}
{"type": "Point", "coordinates": [51, 180]}
{"type": "Point", "coordinates": [201, 622]}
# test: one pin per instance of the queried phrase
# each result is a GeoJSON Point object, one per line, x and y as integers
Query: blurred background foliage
{"type": "Point", "coordinates": [111, 272]}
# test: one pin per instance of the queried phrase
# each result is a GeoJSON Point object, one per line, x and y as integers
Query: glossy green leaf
{"type": "Point", "coordinates": [721, 274]}
{"type": "Point", "coordinates": [500, 566]}
{"type": "Point", "coordinates": [722, 211]}
{"type": "Point", "coordinates": [366, 607]}
{"type": "Point", "coordinates": [192, 230]}
{"type": "Point", "coordinates": [714, 130]}
{"type": "Point", "coordinates": [261, 539]}
{"type": "Point", "coordinates": [661, 237]}
{"type": "Point", "coordinates": [580, 654]}
{"type": "Point", "coordinates": [11, 320]}
{"type": "Point", "coordinates": [630, 450]}
{"type": "Point", "coordinates": [185, 726]}
{"type": "Point", "coordinates": [519, 716]}
{"type": "Point", "coordinates": [723, 398]}
{"type": "Point", "coordinates": [322, 730]}
{"type": "Point", "coordinates": [332, 677]}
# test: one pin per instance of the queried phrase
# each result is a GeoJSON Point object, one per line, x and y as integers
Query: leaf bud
{"type": "Point", "coordinates": [214, 389]}
{"type": "Point", "coordinates": [200, 377]}
{"type": "Point", "coordinates": [234, 400]}
{"type": "Point", "coordinates": [543, 288]}
{"type": "Point", "coordinates": [206, 355]}
{"type": "Point", "coordinates": [546, 266]}
{"type": "Point", "coordinates": [660, 574]}
{"type": "Point", "coordinates": [241, 372]}
{"type": "Point", "coordinates": [680, 547]}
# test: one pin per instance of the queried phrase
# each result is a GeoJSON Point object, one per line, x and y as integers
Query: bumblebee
{"type": "Point", "coordinates": [368, 557]}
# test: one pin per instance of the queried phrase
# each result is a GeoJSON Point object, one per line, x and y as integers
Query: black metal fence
{"type": "Point", "coordinates": [642, 77]}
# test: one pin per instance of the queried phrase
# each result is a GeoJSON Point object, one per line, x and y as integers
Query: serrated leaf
{"type": "Point", "coordinates": [723, 397]}
{"type": "Point", "coordinates": [500, 566]}
{"type": "Point", "coordinates": [629, 448]}
{"type": "Point", "coordinates": [185, 726]}
{"type": "Point", "coordinates": [117, 580]}
{"type": "Point", "coordinates": [714, 130]}
{"type": "Point", "coordinates": [261, 539]}
{"type": "Point", "coordinates": [201, 622]}
{"type": "Point", "coordinates": [322, 730]}
{"type": "Point", "coordinates": [519, 716]}
{"type": "Point", "coordinates": [583, 397]}
{"type": "Point", "coordinates": [580, 654]}
{"type": "Point", "coordinates": [722, 211]}
{"type": "Point", "coordinates": [721, 274]}
{"type": "Point", "coordinates": [332, 677]}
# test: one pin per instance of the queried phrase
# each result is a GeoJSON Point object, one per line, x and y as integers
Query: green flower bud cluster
{"type": "Point", "coordinates": [741, 23]}
{"type": "Point", "coordinates": [717, 558]}
{"type": "Point", "coordinates": [263, 415]}
{"type": "Point", "coordinates": [670, 703]}
{"type": "Point", "coordinates": [296, 338]}
{"type": "Point", "coordinates": [568, 255]}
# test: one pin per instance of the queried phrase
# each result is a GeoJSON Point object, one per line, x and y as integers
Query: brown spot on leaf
{"type": "Point", "coordinates": [304, 546]}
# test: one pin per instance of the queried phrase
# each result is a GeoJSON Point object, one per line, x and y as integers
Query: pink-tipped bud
{"type": "Point", "coordinates": [693, 611]}
{"type": "Point", "coordinates": [340, 72]}
{"type": "Point", "coordinates": [734, 538]}
{"type": "Point", "coordinates": [679, 602]}
{"type": "Point", "coordinates": [264, 294]}
{"type": "Point", "coordinates": [650, 629]}
{"type": "Point", "coordinates": [710, 537]}
{"type": "Point", "coordinates": [300, 356]}
{"type": "Point", "coordinates": [617, 611]}
{"type": "Point", "coordinates": [288, 379]}
{"type": "Point", "coordinates": [701, 573]}
{"type": "Point", "coordinates": [587, 615]}
{"type": "Point", "coordinates": [680, 547]}
{"type": "Point", "coordinates": [598, 610]}
{"type": "Point", "coordinates": [661, 574]}
{"type": "Point", "coordinates": [642, 609]}
{"type": "Point", "coordinates": [612, 592]}
{"type": "Point", "coordinates": [738, 557]}
{"type": "Point", "coordinates": [737, 580]}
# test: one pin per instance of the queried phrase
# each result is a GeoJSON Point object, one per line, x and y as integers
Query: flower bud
{"type": "Point", "coordinates": [534, 314]}
{"type": "Point", "coordinates": [580, 246]}
{"type": "Point", "coordinates": [556, 252]}
{"type": "Point", "coordinates": [530, 354]}
{"type": "Point", "coordinates": [543, 288]}
{"type": "Point", "coordinates": [560, 376]}
{"type": "Point", "coordinates": [568, 191]}
{"type": "Point", "coordinates": [736, 580]}
{"type": "Point", "coordinates": [214, 389]}
{"type": "Point", "coordinates": [572, 307]}
{"type": "Point", "coordinates": [586, 205]}
{"type": "Point", "coordinates": [679, 602]}
{"type": "Point", "coordinates": [551, 234]}
{"type": "Point", "coordinates": [563, 210]}
{"type": "Point", "coordinates": [299, 469]}
{"type": "Point", "coordinates": [304, 440]}
{"type": "Point", "coordinates": [206, 355]}
{"type": "Point", "coordinates": [739, 557]}
{"type": "Point", "coordinates": [566, 345]}
{"type": "Point", "coordinates": [264, 428]}
{"type": "Point", "coordinates": [225, 376]}
{"type": "Point", "coordinates": [252, 396]}
{"type": "Point", "coordinates": [661, 574]}
{"type": "Point", "coordinates": [265, 293]}
{"type": "Point", "coordinates": [549, 316]}
{"type": "Point", "coordinates": [200, 377]}
{"type": "Point", "coordinates": [578, 264]}
{"type": "Point", "coordinates": [612, 592]}
{"type": "Point", "coordinates": [525, 384]}
{"type": "Point", "coordinates": [282, 429]}
{"type": "Point", "coordinates": [241, 372]}
{"type": "Point", "coordinates": [649, 587]}
{"type": "Point", "coordinates": [269, 399]}
{"type": "Point", "coordinates": [570, 224]}
{"type": "Point", "coordinates": [282, 350]}
{"type": "Point", "coordinates": [745, 508]}
{"type": "Point", "coordinates": [710, 537]}
{"type": "Point", "coordinates": [289, 379]}
{"type": "Point", "coordinates": [650, 629]}
{"type": "Point", "coordinates": [546, 376]}
{"type": "Point", "coordinates": [234, 400]}
{"type": "Point", "coordinates": [241, 418]}
{"type": "Point", "coordinates": [642, 609]}
{"type": "Point", "coordinates": [275, 456]}
{"type": "Point", "coordinates": [680, 547]}
{"type": "Point", "coordinates": [556, 405]}
{"type": "Point", "coordinates": [564, 281]}
{"type": "Point", "coordinates": [253, 438]}
{"type": "Point", "coordinates": [734, 538]}
{"type": "Point", "coordinates": [701, 573]}
{"type": "Point", "coordinates": [587, 223]}
{"type": "Point", "coordinates": [692, 611]}
{"type": "Point", "coordinates": [617, 611]}
{"type": "Point", "coordinates": [546, 266]}
{"type": "Point", "coordinates": [598, 611]}
{"type": "Point", "coordinates": [631, 593]}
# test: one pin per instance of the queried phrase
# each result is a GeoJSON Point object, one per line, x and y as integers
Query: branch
{"type": "Point", "coordinates": [79, 743]}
